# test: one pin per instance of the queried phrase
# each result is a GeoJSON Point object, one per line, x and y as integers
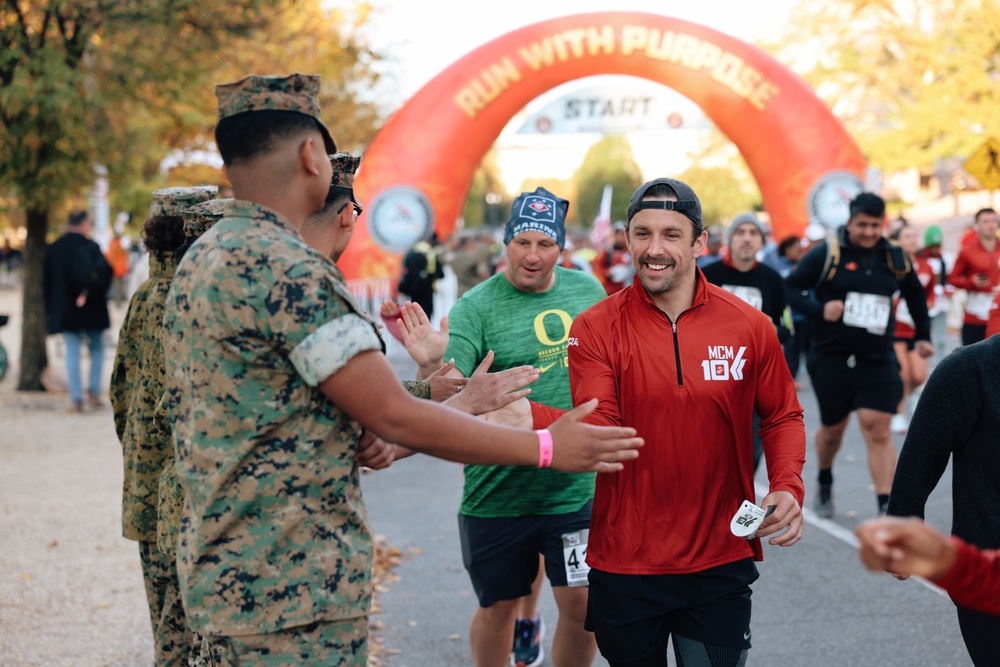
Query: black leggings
{"type": "Point", "coordinates": [692, 653]}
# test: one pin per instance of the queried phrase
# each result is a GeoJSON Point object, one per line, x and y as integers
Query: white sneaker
{"type": "Point", "coordinates": [899, 424]}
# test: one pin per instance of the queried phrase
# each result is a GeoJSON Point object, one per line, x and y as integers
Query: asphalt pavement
{"type": "Point", "coordinates": [814, 605]}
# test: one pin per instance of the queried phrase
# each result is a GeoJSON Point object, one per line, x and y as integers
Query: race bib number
{"type": "Point", "coordinates": [867, 311]}
{"type": "Point", "coordinates": [575, 557]}
{"type": "Point", "coordinates": [979, 304]}
{"type": "Point", "coordinates": [751, 295]}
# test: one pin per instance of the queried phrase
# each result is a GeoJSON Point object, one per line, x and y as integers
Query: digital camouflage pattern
{"type": "Point", "coordinates": [136, 387]}
{"type": "Point", "coordinates": [199, 218]}
{"type": "Point", "coordinates": [345, 166]}
{"type": "Point", "coordinates": [331, 644]}
{"type": "Point", "coordinates": [171, 201]}
{"type": "Point", "coordinates": [295, 92]}
{"type": "Point", "coordinates": [173, 643]}
{"type": "Point", "coordinates": [274, 533]}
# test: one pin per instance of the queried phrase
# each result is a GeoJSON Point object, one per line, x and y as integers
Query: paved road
{"type": "Point", "coordinates": [814, 605]}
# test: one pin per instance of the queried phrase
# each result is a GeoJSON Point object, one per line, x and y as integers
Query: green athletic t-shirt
{"type": "Point", "coordinates": [523, 328]}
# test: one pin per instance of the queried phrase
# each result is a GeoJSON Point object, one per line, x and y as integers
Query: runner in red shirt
{"type": "Point", "coordinates": [977, 270]}
{"type": "Point", "coordinates": [669, 352]}
{"type": "Point", "coordinates": [912, 365]}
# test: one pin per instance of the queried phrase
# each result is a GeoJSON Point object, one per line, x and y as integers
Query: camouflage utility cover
{"type": "Point", "coordinates": [295, 92]}
{"type": "Point", "coordinates": [274, 533]}
{"type": "Point", "coordinates": [199, 218]}
{"type": "Point", "coordinates": [171, 201]}
{"type": "Point", "coordinates": [136, 387]}
{"type": "Point", "coordinates": [345, 166]}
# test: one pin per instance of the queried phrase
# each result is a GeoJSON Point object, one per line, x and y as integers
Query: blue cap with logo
{"type": "Point", "coordinates": [538, 211]}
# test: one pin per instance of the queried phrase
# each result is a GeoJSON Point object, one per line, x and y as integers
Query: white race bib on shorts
{"type": "Point", "coordinates": [575, 557]}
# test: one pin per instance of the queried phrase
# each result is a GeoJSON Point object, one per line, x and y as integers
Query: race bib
{"type": "Point", "coordinates": [575, 557]}
{"type": "Point", "coordinates": [867, 311]}
{"type": "Point", "coordinates": [751, 295]}
{"type": "Point", "coordinates": [979, 304]}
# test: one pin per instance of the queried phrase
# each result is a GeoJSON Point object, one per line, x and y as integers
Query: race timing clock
{"type": "Point", "coordinates": [830, 197]}
{"type": "Point", "coordinates": [399, 217]}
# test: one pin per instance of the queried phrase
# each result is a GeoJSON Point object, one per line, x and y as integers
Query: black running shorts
{"type": "Point", "coordinates": [633, 615]}
{"type": "Point", "coordinates": [501, 554]}
{"type": "Point", "coordinates": [844, 383]}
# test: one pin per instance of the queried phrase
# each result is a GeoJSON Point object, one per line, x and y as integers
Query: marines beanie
{"type": "Point", "coordinates": [538, 211]}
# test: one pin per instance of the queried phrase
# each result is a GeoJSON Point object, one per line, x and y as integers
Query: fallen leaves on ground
{"type": "Point", "coordinates": [387, 559]}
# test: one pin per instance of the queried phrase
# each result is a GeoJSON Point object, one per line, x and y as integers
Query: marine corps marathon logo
{"type": "Point", "coordinates": [723, 364]}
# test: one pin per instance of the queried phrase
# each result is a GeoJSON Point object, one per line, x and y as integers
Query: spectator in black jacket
{"type": "Point", "coordinates": [76, 281]}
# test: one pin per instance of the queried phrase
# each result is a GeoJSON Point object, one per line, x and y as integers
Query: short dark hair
{"type": "Point", "coordinates": [77, 217]}
{"type": "Point", "coordinates": [247, 135]}
{"type": "Point", "coordinates": [335, 198]}
{"type": "Point", "coordinates": [867, 203]}
{"type": "Point", "coordinates": [163, 233]}
{"type": "Point", "coordinates": [982, 211]}
{"type": "Point", "coordinates": [788, 242]}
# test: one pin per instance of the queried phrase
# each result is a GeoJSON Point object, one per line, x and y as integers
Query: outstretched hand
{"type": "Point", "coordinates": [444, 386]}
{"type": "Point", "coordinates": [424, 345]}
{"type": "Point", "coordinates": [487, 391]}
{"type": "Point", "coordinates": [904, 547]}
{"type": "Point", "coordinates": [580, 447]}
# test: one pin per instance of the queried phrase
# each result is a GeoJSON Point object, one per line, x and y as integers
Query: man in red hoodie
{"type": "Point", "coordinates": [686, 363]}
{"type": "Point", "coordinates": [977, 270]}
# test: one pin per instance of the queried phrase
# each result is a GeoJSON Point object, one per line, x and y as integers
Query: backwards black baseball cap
{"type": "Point", "coordinates": [687, 201]}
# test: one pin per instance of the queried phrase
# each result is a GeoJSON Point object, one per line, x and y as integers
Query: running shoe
{"type": "Point", "coordinates": [899, 424]}
{"type": "Point", "coordinates": [823, 506]}
{"type": "Point", "coordinates": [528, 636]}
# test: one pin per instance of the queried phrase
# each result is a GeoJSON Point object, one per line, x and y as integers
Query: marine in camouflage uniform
{"type": "Point", "coordinates": [275, 550]}
{"type": "Point", "coordinates": [198, 219]}
{"type": "Point", "coordinates": [136, 384]}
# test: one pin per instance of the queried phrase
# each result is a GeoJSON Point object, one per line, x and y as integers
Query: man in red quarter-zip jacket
{"type": "Point", "coordinates": [685, 363]}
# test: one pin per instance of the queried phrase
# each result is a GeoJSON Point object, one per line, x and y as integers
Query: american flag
{"type": "Point", "coordinates": [601, 229]}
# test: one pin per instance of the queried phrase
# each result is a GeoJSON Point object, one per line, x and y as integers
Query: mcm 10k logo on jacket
{"type": "Point", "coordinates": [723, 364]}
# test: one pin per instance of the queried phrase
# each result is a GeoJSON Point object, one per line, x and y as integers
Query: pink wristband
{"type": "Point", "coordinates": [544, 448]}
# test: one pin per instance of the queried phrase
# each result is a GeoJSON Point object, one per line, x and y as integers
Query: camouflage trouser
{"type": "Point", "coordinates": [324, 643]}
{"type": "Point", "coordinates": [168, 510]}
{"type": "Point", "coordinates": [173, 642]}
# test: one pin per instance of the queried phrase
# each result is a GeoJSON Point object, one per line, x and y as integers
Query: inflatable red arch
{"type": "Point", "coordinates": [417, 172]}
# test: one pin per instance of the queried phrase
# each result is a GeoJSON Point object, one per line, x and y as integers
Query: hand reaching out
{"type": "Point", "coordinates": [444, 386]}
{"type": "Point", "coordinates": [425, 345]}
{"type": "Point", "coordinates": [487, 391]}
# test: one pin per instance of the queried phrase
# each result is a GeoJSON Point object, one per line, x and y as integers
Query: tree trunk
{"type": "Point", "coordinates": [33, 357]}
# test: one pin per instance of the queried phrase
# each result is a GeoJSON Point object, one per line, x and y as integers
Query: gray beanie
{"type": "Point", "coordinates": [744, 219]}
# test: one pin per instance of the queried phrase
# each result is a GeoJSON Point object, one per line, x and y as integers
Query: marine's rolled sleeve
{"type": "Point", "coordinates": [329, 348]}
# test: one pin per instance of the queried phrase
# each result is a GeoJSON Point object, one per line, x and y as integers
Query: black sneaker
{"type": "Point", "coordinates": [528, 636]}
{"type": "Point", "coordinates": [823, 506]}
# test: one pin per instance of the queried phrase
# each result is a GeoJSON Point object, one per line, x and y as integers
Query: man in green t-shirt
{"type": "Point", "coordinates": [509, 516]}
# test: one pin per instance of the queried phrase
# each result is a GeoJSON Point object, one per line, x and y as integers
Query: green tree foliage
{"type": "Point", "coordinates": [721, 179]}
{"type": "Point", "coordinates": [123, 82]}
{"type": "Point", "coordinates": [913, 80]}
{"type": "Point", "coordinates": [608, 161]}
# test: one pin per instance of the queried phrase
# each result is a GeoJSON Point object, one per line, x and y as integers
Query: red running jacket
{"type": "Point", "coordinates": [974, 579]}
{"type": "Point", "coordinates": [689, 389]}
